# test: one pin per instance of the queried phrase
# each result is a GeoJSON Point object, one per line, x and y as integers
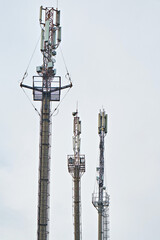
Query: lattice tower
{"type": "Point", "coordinates": [100, 198]}
{"type": "Point", "coordinates": [76, 167]}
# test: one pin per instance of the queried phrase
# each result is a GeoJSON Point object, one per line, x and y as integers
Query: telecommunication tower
{"type": "Point", "coordinates": [46, 88]}
{"type": "Point", "coordinates": [100, 198]}
{"type": "Point", "coordinates": [76, 167]}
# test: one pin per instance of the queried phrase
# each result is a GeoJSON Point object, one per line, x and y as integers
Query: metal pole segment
{"type": "Point", "coordinates": [44, 168]}
{"type": "Point", "coordinates": [100, 231]}
{"type": "Point", "coordinates": [76, 179]}
{"type": "Point", "coordinates": [76, 204]}
{"type": "Point", "coordinates": [101, 176]}
{"type": "Point", "coordinates": [60, 88]}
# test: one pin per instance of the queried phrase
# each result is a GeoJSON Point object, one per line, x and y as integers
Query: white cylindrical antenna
{"type": "Point", "coordinates": [40, 14]}
{"type": "Point", "coordinates": [59, 34]}
{"type": "Point", "coordinates": [79, 127]}
{"type": "Point", "coordinates": [47, 31]}
{"type": "Point", "coordinates": [106, 122]}
{"type": "Point", "coordinates": [103, 120]}
{"type": "Point", "coordinates": [74, 127]}
{"type": "Point", "coordinates": [79, 144]}
{"type": "Point", "coordinates": [54, 38]}
{"type": "Point", "coordinates": [99, 123]}
{"type": "Point", "coordinates": [74, 143]}
{"type": "Point", "coordinates": [58, 18]}
{"type": "Point", "coordinates": [42, 40]}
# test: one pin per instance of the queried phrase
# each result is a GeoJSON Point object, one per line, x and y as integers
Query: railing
{"type": "Point", "coordinates": [53, 89]}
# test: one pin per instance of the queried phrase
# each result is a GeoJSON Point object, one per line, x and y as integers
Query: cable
{"type": "Point", "coordinates": [26, 74]}
{"type": "Point", "coordinates": [67, 75]}
{"type": "Point", "coordinates": [55, 113]}
{"type": "Point", "coordinates": [31, 103]}
{"type": "Point", "coordinates": [60, 103]}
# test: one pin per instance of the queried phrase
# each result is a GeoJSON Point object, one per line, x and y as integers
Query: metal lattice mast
{"type": "Point", "coordinates": [76, 167]}
{"type": "Point", "coordinates": [100, 199]}
{"type": "Point", "coordinates": [46, 88]}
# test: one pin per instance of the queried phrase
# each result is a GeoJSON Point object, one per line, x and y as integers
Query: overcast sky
{"type": "Point", "coordinates": [112, 51]}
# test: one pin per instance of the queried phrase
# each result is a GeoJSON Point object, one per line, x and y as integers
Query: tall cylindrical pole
{"type": "Point", "coordinates": [76, 180]}
{"type": "Point", "coordinates": [100, 199]}
{"type": "Point", "coordinates": [76, 167]}
{"type": "Point", "coordinates": [44, 168]}
{"type": "Point", "coordinates": [100, 231]}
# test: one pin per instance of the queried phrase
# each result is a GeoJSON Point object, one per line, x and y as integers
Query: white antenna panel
{"type": "Point", "coordinates": [42, 40]}
{"type": "Point", "coordinates": [99, 120]}
{"type": "Point", "coordinates": [106, 122]}
{"type": "Point", "coordinates": [79, 144]}
{"type": "Point", "coordinates": [40, 15]}
{"type": "Point", "coordinates": [59, 34]}
{"type": "Point", "coordinates": [103, 120]}
{"type": "Point", "coordinates": [79, 127]}
{"type": "Point", "coordinates": [47, 31]}
{"type": "Point", "coordinates": [74, 144]}
{"type": "Point", "coordinates": [54, 38]}
{"type": "Point", "coordinates": [58, 18]}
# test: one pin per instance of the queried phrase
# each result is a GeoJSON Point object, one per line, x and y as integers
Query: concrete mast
{"type": "Point", "coordinates": [46, 88]}
{"type": "Point", "coordinates": [100, 199]}
{"type": "Point", "coordinates": [76, 167]}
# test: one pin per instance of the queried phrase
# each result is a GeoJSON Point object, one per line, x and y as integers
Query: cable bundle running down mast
{"type": "Point", "coordinates": [100, 199]}
{"type": "Point", "coordinates": [76, 167]}
{"type": "Point", "coordinates": [46, 88]}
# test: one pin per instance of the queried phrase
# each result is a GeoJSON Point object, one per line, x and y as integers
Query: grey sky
{"type": "Point", "coordinates": [112, 52]}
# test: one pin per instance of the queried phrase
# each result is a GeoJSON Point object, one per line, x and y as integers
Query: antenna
{"type": "Point", "coordinates": [46, 88]}
{"type": "Point", "coordinates": [76, 167]}
{"type": "Point", "coordinates": [100, 199]}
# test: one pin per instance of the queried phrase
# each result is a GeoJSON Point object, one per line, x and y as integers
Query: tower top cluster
{"type": "Point", "coordinates": [102, 122]}
{"type": "Point", "coordinates": [50, 39]}
{"type": "Point", "coordinates": [77, 159]}
{"type": "Point", "coordinates": [47, 82]}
